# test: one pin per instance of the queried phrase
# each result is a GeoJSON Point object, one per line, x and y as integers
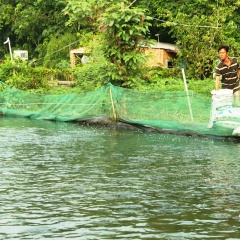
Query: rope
{"type": "Point", "coordinates": [157, 19]}
{"type": "Point", "coordinates": [192, 25]}
{"type": "Point", "coordinates": [57, 50]}
{"type": "Point", "coordinates": [54, 103]}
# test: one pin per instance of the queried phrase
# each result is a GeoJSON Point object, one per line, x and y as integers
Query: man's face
{"type": "Point", "coordinates": [223, 54]}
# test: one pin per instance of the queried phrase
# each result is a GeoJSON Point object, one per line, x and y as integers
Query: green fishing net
{"type": "Point", "coordinates": [180, 112]}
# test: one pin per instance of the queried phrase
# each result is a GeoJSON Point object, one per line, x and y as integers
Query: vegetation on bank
{"type": "Point", "coordinates": [112, 33]}
{"type": "Point", "coordinates": [92, 76]}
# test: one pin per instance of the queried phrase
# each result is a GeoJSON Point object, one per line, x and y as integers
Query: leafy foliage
{"type": "Point", "coordinates": [199, 27]}
{"type": "Point", "coordinates": [123, 35]}
{"type": "Point", "coordinates": [44, 27]}
{"type": "Point", "coordinates": [30, 23]}
{"type": "Point", "coordinates": [21, 75]}
{"type": "Point", "coordinates": [85, 14]}
{"type": "Point", "coordinates": [56, 49]}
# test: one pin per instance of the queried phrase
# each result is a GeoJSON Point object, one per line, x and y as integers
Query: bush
{"type": "Point", "coordinates": [93, 75]}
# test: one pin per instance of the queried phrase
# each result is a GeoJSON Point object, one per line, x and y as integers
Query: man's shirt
{"type": "Point", "coordinates": [229, 74]}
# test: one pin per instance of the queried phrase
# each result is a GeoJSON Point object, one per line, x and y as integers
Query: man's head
{"type": "Point", "coordinates": [223, 52]}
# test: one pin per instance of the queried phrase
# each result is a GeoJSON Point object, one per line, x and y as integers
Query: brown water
{"type": "Point", "coordinates": [64, 181]}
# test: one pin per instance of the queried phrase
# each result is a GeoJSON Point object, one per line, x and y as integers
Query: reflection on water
{"type": "Point", "coordinates": [61, 180]}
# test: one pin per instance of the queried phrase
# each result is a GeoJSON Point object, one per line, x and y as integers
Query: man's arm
{"type": "Point", "coordinates": [217, 83]}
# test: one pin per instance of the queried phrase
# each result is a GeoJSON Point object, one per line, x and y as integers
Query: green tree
{"type": "Point", "coordinates": [57, 50]}
{"type": "Point", "coordinates": [85, 14]}
{"type": "Point", "coordinates": [199, 27]}
{"type": "Point", "coordinates": [29, 23]}
{"type": "Point", "coordinates": [121, 31]}
{"type": "Point", "coordinates": [125, 31]}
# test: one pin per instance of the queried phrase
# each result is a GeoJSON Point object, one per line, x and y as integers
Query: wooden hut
{"type": "Point", "coordinates": [161, 54]}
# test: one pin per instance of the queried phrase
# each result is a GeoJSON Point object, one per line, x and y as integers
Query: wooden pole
{"type": "Point", "coordinates": [113, 107]}
{"type": "Point", "coordinates": [186, 89]}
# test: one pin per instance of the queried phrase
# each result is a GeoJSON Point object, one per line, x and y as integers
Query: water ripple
{"type": "Point", "coordinates": [60, 181]}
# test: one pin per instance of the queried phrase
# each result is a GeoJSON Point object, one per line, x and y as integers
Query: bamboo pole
{"type": "Point", "coordinates": [186, 89]}
{"type": "Point", "coordinates": [113, 107]}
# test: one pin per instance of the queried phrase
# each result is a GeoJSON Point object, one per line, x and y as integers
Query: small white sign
{"type": "Point", "coordinates": [20, 54]}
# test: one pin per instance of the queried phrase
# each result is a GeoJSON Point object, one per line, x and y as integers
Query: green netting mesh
{"type": "Point", "coordinates": [164, 111]}
{"type": "Point", "coordinates": [67, 107]}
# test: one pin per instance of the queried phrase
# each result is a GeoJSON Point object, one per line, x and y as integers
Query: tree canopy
{"type": "Point", "coordinates": [197, 26]}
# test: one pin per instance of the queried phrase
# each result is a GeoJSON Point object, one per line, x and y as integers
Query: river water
{"type": "Point", "coordinates": [65, 181]}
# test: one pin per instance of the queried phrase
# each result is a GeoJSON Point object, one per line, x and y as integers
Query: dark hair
{"type": "Point", "coordinates": [223, 47]}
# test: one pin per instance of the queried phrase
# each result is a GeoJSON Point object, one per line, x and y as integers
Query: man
{"type": "Point", "coordinates": [229, 71]}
